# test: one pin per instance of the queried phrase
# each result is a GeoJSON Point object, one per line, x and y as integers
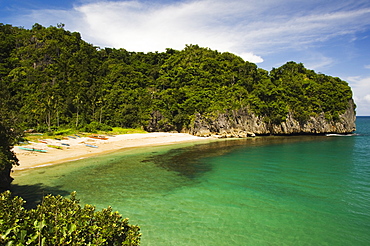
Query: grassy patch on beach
{"type": "Point", "coordinates": [120, 130]}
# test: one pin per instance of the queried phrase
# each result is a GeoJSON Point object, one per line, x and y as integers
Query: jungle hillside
{"type": "Point", "coordinates": [51, 79]}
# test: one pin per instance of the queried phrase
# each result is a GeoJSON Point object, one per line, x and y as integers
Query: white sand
{"type": "Point", "coordinates": [78, 149]}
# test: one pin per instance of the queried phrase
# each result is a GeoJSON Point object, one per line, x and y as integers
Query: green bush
{"type": "Point", "coordinates": [64, 132]}
{"type": "Point", "coordinates": [95, 127]}
{"type": "Point", "coordinates": [62, 221]}
{"type": "Point", "coordinates": [41, 128]}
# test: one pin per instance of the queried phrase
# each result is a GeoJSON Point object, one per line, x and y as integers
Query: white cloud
{"type": "Point", "coordinates": [367, 66]}
{"type": "Point", "coordinates": [142, 27]}
{"type": "Point", "coordinates": [367, 98]}
{"type": "Point", "coordinates": [248, 56]}
{"type": "Point", "coordinates": [317, 61]}
{"type": "Point", "coordinates": [361, 89]}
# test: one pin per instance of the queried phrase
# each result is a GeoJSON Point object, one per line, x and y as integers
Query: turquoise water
{"type": "Point", "coordinates": [301, 190]}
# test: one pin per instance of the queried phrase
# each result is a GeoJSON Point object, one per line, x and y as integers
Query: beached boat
{"type": "Point", "coordinates": [33, 149]}
{"type": "Point", "coordinates": [55, 146]}
{"type": "Point", "coordinates": [99, 137]}
{"type": "Point", "coordinates": [340, 135]}
{"type": "Point", "coordinates": [43, 141]}
{"type": "Point", "coordinates": [25, 142]}
{"type": "Point", "coordinates": [92, 146]}
{"type": "Point", "coordinates": [65, 144]}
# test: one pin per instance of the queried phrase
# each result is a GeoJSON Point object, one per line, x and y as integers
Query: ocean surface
{"type": "Point", "coordinates": [298, 190]}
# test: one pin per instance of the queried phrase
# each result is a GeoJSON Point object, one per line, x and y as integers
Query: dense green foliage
{"type": "Point", "coordinates": [8, 120]}
{"type": "Point", "coordinates": [7, 156]}
{"type": "Point", "coordinates": [8, 137]}
{"type": "Point", "coordinates": [55, 79]}
{"type": "Point", "coordinates": [62, 221]}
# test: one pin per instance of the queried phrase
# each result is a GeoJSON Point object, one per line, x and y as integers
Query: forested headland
{"type": "Point", "coordinates": [50, 78]}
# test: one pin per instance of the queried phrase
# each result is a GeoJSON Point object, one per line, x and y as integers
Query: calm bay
{"type": "Point", "coordinates": [296, 190]}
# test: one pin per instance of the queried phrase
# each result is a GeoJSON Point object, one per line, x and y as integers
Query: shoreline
{"type": "Point", "coordinates": [77, 148]}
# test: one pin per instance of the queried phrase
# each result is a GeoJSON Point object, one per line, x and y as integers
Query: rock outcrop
{"type": "Point", "coordinates": [243, 123]}
{"type": "Point", "coordinates": [158, 123]}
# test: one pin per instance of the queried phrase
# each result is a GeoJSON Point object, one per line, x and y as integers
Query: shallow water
{"type": "Point", "coordinates": [265, 191]}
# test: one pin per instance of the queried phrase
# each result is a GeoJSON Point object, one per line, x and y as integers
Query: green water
{"type": "Point", "coordinates": [267, 191]}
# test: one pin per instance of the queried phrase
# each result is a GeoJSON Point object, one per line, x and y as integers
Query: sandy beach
{"type": "Point", "coordinates": [77, 148]}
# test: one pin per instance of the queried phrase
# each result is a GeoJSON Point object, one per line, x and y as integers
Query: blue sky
{"type": "Point", "coordinates": [331, 36]}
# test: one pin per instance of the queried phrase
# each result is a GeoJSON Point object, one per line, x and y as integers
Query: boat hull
{"type": "Point", "coordinates": [33, 149]}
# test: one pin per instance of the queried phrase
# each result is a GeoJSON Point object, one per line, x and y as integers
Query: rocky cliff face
{"type": "Point", "coordinates": [242, 123]}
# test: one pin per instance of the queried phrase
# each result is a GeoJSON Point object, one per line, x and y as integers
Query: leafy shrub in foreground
{"type": "Point", "coordinates": [62, 221]}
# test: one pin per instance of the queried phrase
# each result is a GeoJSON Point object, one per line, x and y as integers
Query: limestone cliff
{"type": "Point", "coordinates": [242, 122]}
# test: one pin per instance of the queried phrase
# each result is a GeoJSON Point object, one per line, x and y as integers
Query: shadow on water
{"type": "Point", "coordinates": [190, 163]}
{"type": "Point", "coordinates": [33, 194]}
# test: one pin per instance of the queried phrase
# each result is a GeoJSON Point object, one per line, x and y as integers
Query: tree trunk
{"type": "Point", "coordinates": [77, 119]}
{"type": "Point", "coordinates": [101, 112]}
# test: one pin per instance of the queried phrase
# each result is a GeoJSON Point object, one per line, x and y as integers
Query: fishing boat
{"type": "Point", "coordinates": [340, 135]}
{"type": "Point", "coordinates": [65, 144]}
{"type": "Point", "coordinates": [43, 141]}
{"type": "Point", "coordinates": [25, 142]}
{"type": "Point", "coordinates": [98, 137]}
{"type": "Point", "coordinates": [33, 149]}
{"type": "Point", "coordinates": [92, 146]}
{"type": "Point", "coordinates": [55, 146]}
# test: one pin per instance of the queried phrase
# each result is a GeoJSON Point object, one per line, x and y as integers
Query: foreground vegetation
{"type": "Point", "coordinates": [62, 221]}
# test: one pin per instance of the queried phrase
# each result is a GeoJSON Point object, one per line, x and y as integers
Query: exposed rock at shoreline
{"type": "Point", "coordinates": [243, 123]}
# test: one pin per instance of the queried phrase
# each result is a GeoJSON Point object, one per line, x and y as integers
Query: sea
{"type": "Point", "coordinates": [295, 190]}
